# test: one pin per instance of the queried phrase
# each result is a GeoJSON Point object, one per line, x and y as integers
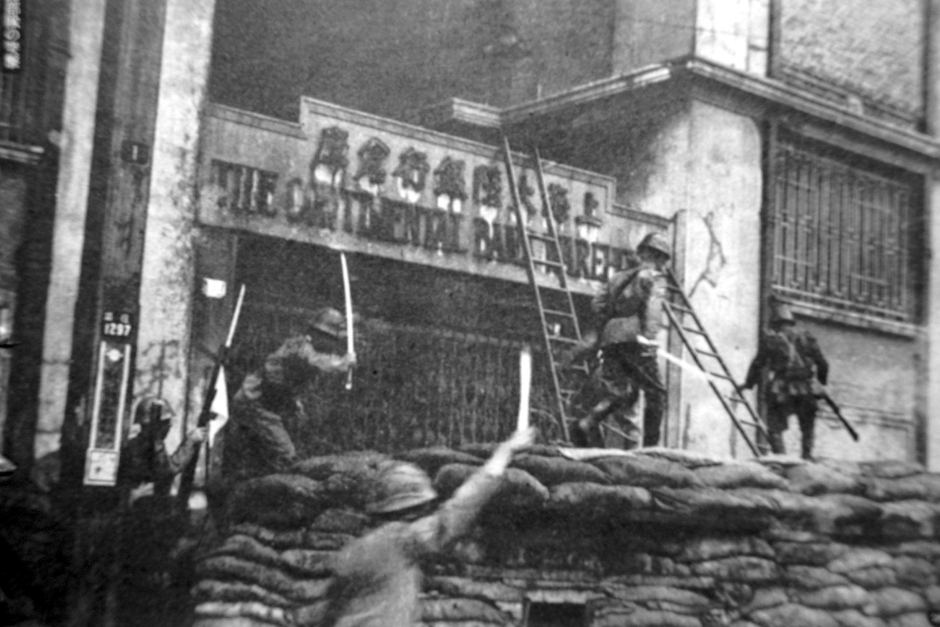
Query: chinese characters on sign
{"type": "Point", "coordinates": [110, 398]}
{"type": "Point", "coordinates": [12, 35]}
{"type": "Point", "coordinates": [416, 203]}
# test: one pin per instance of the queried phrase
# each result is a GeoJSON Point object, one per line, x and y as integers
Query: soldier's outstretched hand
{"type": "Point", "coordinates": [522, 438]}
{"type": "Point", "coordinates": [496, 464]}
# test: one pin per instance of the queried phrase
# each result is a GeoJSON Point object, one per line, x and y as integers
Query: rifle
{"type": "Point", "coordinates": [835, 408]}
{"type": "Point", "coordinates": [205, 414]}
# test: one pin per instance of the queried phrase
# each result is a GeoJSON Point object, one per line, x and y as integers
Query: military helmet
{"type": "Point", "coordinates": [655, 241]}
{"type": "Point", "coordinates": [400, 486]}
{"type": "Point", "coordinates": [7, 468]}
{"type": "Point", "coordinates": [329, 321]}
{"type": "Point", "coordinates": [781, 313]}
{"type": "Point", "coordinates": [146, 408]}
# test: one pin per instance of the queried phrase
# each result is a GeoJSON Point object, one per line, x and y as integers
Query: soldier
{"type": "Point", "coordinates": [377, 577]}
{"type": "Point", "coordinates": [257, 442]}
{"type": "Point", "coordinates": [151, 528]}
{"type": "Point", "coordinates": [144, 460]}
{"type": "Point", "coordinates": [788, 359]}
{"type": "Point", "coordinates": [629, 312]}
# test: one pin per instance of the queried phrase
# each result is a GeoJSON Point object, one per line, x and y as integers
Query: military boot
{"type": "Point", "coordinates": [776, 442]}
{"type": "Point", "coordinates": [807, 445]}
{"type": "Point", "coordinates": [587, 433]}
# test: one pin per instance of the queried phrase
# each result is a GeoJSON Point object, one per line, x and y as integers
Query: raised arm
{"type": "Point", "coordinates": [456, 516]}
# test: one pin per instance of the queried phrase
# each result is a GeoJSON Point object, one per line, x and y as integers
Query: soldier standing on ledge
{"type": "Point", "coordinates": [629, 311]}
{"type": "Point", "coordinates": [788, 359]}
{"type": "Point", "coordinates": [257, 442]}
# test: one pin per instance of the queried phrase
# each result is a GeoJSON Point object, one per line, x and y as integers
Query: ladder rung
{"type": "Point", "coordinates": [557, 288]}
{"type": "Point", "coordinates": [540, 236]}
{"type": "Point", "coordinates": [564, 340]}
{"type": "Point", "coordinates": [550, 264]}
{"type": "Point", "coordinates": [698, 331]}
{"type": "Point", "coordinates": [556, 312]}
{"type": "Point", "coordinates": [681, 308]}
{"type": "Point", "coordinates": [707, 353]}
{"type": "Point", "coordinates": [720, 375]}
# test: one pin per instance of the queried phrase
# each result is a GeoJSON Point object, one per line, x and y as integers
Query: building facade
{"type": "Point", "coordinates": [785, 154]}
{"type": "Point", "coordinates": [32, 88]}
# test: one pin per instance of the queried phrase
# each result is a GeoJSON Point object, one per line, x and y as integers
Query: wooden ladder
{"type": "Point", "coordinates": [553, 300]}
{"type": "Point", "coordinates": [706, 357]}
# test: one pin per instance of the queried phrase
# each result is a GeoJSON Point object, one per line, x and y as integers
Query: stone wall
{"type": "Point", "coordinates": [657, 537]}
{"type": "Point", "coordinates": [856, 51]}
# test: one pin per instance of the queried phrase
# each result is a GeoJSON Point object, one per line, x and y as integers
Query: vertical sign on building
{"type": "Point", "coordinates": [12, 35]}
{"type": "Point", "coordinates": [110, 399]}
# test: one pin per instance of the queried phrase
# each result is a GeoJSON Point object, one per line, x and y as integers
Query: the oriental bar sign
{"type": "Point", "coordinates": [357, 182]}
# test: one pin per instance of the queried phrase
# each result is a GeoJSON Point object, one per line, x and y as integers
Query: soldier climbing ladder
{"type": "Point", "coordinates": [561, 331]}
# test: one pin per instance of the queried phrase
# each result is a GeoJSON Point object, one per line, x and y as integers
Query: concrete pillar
{"type": "Point", "coordinates": [167, 286]}
{"type": "Point", "coordinates": [932, 215]}
{"type": "Point", "coordinates": [86, 29]}
{"type": "Point", "coordinates": [722, 259]}
{"type": "Point", "coordinates": [721, 32]}
{"type": "Point", "coordinates": [707, 167]}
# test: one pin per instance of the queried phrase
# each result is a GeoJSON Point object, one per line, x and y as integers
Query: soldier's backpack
{"type": "Point", "coordinates": [784, 357]}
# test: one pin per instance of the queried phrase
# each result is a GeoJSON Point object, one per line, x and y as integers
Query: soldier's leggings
{"type": "Point", "coordinates": [778, 413]}
{"type": "Point", "coordinates": [641, 367]}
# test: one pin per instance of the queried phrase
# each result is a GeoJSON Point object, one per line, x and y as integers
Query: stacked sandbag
{"type": "Point", "coordinates": [647, 537]}
{"type": "Point", "coordinates": [274, 564]}
{"type": "Point", "coordinates": [282, 533]}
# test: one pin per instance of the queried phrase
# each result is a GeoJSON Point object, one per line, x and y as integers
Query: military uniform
{"type": "Point", "coordinates": [788, 359]}
{"type": "Point", "coordinates": [150, 589]}
{"type": "Point", "coordinates": [144, 460]}
{"type": "Point", "coordinates": [378, 577]}
{"type": "Point", "coordinates": [257, 441]}
{"type": "Point", "coordinates": [629, 308]}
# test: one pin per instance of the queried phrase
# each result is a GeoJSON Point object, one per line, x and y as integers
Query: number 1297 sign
{"type": "Point", "coordinates": [116, 325]}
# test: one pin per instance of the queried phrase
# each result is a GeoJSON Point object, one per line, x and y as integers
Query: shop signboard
{"type": "Point", "coordinates": [357, 182]}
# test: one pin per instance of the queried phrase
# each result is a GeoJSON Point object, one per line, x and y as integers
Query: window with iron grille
{"type": "Point", "coordinates": [841, 232]}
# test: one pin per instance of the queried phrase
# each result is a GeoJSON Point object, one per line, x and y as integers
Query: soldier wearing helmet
{"type": "Point", "coordinates": [257, 441]}
{"type": "Point", "coordinates": [151, 527]}
{"type": "Point", "coordinates": [787, 360]}
{"type": "Point", "coordinates": [377, 577]}
{"type": "Point", "coordinates": [144, 459]}
{"type": "Point", "coordinates": [629, 317]}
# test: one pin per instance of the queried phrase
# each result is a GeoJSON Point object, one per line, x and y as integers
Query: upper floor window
{"type": "Point", "coordinates": [842, 232]}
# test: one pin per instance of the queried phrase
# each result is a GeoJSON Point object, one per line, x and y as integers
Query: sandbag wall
{"type": "Point", "coordinates": [656, 537]}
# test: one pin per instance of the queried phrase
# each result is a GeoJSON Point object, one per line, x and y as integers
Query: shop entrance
{"type": "Point", "coordinates": [438, 350]}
